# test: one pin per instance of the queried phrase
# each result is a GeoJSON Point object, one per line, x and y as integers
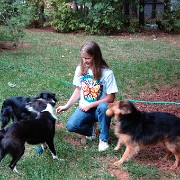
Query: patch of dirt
{"type": "Point", "coordinates": [78, 140]}
{"type": "Point", "coordinates": [119, 173]}
{"type": "Point", "coordinates": [43, 29]}
{"type": "Point", "coordinates": [7, 46]}
{"type": "Point", "coordinates": [154, 156]}
{"type": "Point", "coordinates": [154, 34]}
{"type": "Point", "coordinates": [165, 93]}
{"type": "Point", "coordinates": [60, 125]}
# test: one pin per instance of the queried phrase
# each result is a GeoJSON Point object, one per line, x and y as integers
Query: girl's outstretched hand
{"type": "Point", "coordinates": [61, 109]}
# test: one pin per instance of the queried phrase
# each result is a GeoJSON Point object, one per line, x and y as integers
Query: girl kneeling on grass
{"type": "Point", "coordinates": [96, 87]}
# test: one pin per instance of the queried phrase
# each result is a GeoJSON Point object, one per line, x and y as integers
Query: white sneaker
{"type": "Point", "coordinates": [93, 136]}
{"type": "Point", "coordinates": [103, 146]}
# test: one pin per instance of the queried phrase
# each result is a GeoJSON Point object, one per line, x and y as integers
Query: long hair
{"type": "Point", "coordinates": [98, 63]}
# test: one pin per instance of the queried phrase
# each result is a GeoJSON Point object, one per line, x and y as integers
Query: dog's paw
{"type": "Point", "coordinates": [55, 157]}
{"type": "Point", "coordinates": [16, 171]}
{"type": "Point", "coordinates": [59, 159]}
{"type": "Point", "coordinates": [174, 166]}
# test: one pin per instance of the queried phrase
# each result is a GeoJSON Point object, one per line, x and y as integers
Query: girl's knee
{"type": "Point", "coordinates": [70, 127]}
{"type": "Point", "coordinates": [102, 106]}
{"type": "Point", "coordinates": [101, 112]}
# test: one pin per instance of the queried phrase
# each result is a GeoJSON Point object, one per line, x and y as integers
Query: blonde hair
{"type": "Point", "coordinates": [93, 49]}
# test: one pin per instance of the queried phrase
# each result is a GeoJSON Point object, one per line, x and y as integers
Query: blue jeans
{"type": "Point", "coordinates": [82, 122]}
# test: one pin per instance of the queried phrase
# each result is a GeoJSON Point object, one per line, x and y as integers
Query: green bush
{"type": "Point", "coordinates": [103, 18]}
{"type": "Point", "coordinates": [64, 19]}
{"type": "Point", "coordinates": [14, 17]}
{"type": "Point", "coordinates": [100, 18]}
{"type": "Point", "coordinates": [169, 21]}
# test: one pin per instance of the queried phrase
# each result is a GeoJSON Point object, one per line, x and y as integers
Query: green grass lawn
{"type": "Point", "coordinates": [48, 61]}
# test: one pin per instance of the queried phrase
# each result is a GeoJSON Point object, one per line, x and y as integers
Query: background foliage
{"type": "Point", "coordinates": [14, 16]}
{"type": "Point", "coordinates": [90, 16]}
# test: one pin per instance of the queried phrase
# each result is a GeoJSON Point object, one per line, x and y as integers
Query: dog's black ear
{"type": "Point", "coordinates": [38, 96]}
{"type": "Point", "coordinates": [43, 95]}
{"type": "Point", "coordinates": [54, 97]}
{"type": "Point", "coordinates": [125, 107]}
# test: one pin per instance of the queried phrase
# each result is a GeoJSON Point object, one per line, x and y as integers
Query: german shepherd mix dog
{"type": "Point", "coordinates": [138, 130]}
{"type": "Point", "coordinates": [35, 131]}
{"type": "Point", "coordinates": [15, 107]}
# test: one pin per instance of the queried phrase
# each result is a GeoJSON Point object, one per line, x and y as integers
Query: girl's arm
{"type": "Point", "coordinates": [71, 101]}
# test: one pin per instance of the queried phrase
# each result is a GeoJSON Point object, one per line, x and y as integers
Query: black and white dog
{"type": "Point", "coordinates": [35, 131]}
{"type": "Point", "coordinates": [14, 107]}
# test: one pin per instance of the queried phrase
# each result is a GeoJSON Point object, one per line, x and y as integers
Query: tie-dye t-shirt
{"type": "Point", "coordinates": [93, 90]}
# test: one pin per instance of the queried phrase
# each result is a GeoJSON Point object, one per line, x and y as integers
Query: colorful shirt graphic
{"type": "Point", "coordinates": [92, 89]}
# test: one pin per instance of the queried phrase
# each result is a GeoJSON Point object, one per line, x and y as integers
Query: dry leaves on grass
{"type": "Point", "coordinates": [165, 93]}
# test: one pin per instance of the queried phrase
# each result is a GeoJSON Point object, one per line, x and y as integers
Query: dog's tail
{"type": "Point", "coordinates": [6, 114]}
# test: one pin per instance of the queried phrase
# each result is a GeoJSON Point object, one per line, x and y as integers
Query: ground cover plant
{"type": "Point", "coordinates": [146, 67]}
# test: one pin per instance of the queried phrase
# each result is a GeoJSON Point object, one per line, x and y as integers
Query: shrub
{"type": "Point", "coordinates": [169, 21]}
{"type": "Point", "coordinates": [103, 18]}
{"type": "Point", "coordinates": [14, 17]}
{"type": "Point", "coordinates": [64, 19]}
{"type": "Point", "coordinates": [98, 18]}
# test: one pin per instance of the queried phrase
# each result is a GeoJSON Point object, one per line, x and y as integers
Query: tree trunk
{"type": "Point", "coordinates": [41, 15]}
{"type": "Point", "coordinates": [134, 10]}
{"type": "Point", "coordinates": [126, 12]}
{"type": "Point", "coordinates": [153, 14]}
{"type": "Point", "coordinates": [141, 12]}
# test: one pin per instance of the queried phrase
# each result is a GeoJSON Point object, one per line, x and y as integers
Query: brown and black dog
{"type": "Point", "coordinates": [137, 130]}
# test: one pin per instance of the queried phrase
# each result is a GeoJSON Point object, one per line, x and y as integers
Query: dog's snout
{"type": "Point", "coordinates": [109, 112]}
